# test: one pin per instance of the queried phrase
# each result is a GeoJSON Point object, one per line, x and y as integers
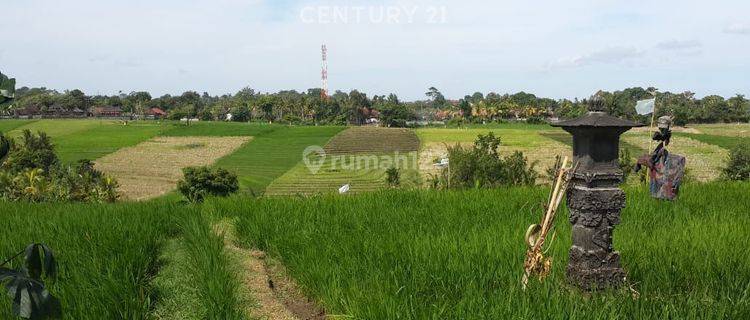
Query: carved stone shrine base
{"type": "Point", "coordinates": [594, 212]}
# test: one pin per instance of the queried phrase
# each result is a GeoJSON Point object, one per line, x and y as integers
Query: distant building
{"type": "Point", "coordinates": [58, 111]}
{"type": "Point", "coordinates": [156, 113]}
{"type": "Point", "coordinates": [107, 111]}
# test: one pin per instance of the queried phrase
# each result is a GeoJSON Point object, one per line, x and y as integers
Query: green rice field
{"type": "Point", "coordinates": [376, 253]}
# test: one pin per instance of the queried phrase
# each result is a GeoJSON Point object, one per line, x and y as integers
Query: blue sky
{"type": "Point", "coordinates": [552, 48]}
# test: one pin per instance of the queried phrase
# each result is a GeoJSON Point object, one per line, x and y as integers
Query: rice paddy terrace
{"type": "Point", "coordinates": [409, 254]}
{"type": "Point", "coordinates": [358, 156]}
{"type": "Point", "coordinates": [271, 159]}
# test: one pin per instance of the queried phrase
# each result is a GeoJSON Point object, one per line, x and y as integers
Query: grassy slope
{"type": "Point", "coordinates": [452, 255]}
{"type": "Point", "coordinates": [220, 129]}
{"type": "Point", "coordinates": [270, 155]}
{"type": "Point", "coordinates": [104, 139]}
{"type": "Point", "coordinates": [7, 125]}
{"type": "Point", "coordinates": [511, 136]}
{"type": "Point", "coordinates": [59, 127]}
{"type": "Point", "coordinates": [77, 139]}
{"type": "Point", "coordinates": [725, 129]}
{"type": "Point", "coordinates": [726, 142]}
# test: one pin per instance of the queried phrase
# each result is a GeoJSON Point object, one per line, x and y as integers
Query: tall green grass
{"type": "Point", "coordinates": [459, 255]}
{"type": "Point", "coordinates": [213, 275]}
{"type": "Point", "coordinates": [107, 254]}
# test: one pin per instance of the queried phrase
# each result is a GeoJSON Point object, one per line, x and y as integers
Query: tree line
{"type": "Point", "coordinates": [356, 108]}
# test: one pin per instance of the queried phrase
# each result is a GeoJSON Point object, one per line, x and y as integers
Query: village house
{"type": "Point", "coordinates": [107, 111]}
{"type": "Point", "coordinates": [155, 113]}
{"type": "Point", "coordinates": [58, 111]}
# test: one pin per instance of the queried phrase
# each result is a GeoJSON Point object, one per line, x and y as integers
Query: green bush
{"type": "Point", "coordinates": [738, 167]}
{"type": "Point", "coordinates": [535, 120]}
{"type": "Point", "coordinates": [32, 172]}
{"type": "Point", "coordinates": [201, 182]}
{"type": "Point", "coordinates": [32, 152]}
{"type": "Point", "coordinates": [482, 167]}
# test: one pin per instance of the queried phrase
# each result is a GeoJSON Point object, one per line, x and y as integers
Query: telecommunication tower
{"type": "Point", "coordinates": [324, 74]}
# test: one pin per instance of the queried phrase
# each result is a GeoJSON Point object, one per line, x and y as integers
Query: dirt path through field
{"type": "Point", "coordinates": [276, 295]}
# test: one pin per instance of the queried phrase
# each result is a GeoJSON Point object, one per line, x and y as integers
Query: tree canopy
{"type": "Point", "coordinates": [356, 107]}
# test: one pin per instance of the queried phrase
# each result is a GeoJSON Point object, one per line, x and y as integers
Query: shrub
{"type": "Point", "coordinates": [738, 167]}
{"type": "Point", "coordinates": [455, 123]}
{"type": "Point", "coordinates": [393, 177]}
{"type": "Point", "coordinates": [482, 167]}
{"type": "Point", "coordinates": [32, 172]}
{"type": "Point", "coordinates": [200, 182]}
{"type": "Point", "coordinates": [33, 152]}
{"type": "Point", "coordinates": [535, 120]}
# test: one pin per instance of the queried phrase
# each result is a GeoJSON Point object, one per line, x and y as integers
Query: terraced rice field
{"type": "Point", "coordinates": [704, 161]}
{"type": "Point", "coordinates": [152, 168]}
{"type": "Point", "coordinates": [531, 140]}
{"type": "Point", "coordinates": [77, 139]}
{"type": "Point", "coordinates": [724, 129]}
{"type": "Point", "coordinates": [359, 157]}
{"type": "Point", "coordinates": [373, 140]}
{"type": "Point", "coordinates": [272, 154]}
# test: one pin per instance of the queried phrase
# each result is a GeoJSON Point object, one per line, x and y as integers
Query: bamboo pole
{"type": "Point", "coordinates": [551, 207]}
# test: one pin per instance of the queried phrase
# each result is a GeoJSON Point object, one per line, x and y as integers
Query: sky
{"type": "Point", "coordinates": [557, 49]}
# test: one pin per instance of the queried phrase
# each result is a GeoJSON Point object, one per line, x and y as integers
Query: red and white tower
{"type": "Point", "coordinates": [324, 74]}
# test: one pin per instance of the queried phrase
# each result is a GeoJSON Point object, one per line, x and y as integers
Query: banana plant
{"type": "Point", "coordinates": [31, 300]}
{"type": "Point", "coordinates": [7, 90]}
{"type": "Point", "coordinates": [34, 181]}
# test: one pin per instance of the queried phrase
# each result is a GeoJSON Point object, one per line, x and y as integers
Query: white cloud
{"type": "Point", "coordinates": [609, 55]}
{"type": "Point", "coordinates": [483, 45]}
{"type": "Point", "coordinates": [738, 28]}
{"type": "Point", "coordinates": [679, 45]}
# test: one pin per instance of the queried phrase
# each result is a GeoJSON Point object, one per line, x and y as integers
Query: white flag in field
{"type": "Point", "coordinates": [645, 106]}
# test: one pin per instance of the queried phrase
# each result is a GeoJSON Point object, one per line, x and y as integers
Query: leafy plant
{"type": "Point", "coordinates": [31, 300]}
{"type": "Point", "coordinates": [33, 151]}
{"type": "Point", "coordinates": [393, 177]}
{"type": "Point", "coordinates": [32, 172]}
{"type": "Point", "coordinates": [200, 182]}
{"type": "Point", "coordinates": [482, 167]}
{"type": "Point", "coordinates": [738, 167]}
